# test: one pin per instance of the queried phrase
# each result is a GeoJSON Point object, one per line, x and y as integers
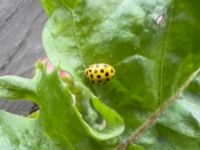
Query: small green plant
{"type": "Point", "coordinates": [152, 102]}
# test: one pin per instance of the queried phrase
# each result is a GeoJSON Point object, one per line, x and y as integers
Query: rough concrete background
{"type": "Point", "coordinates": [21, 24]}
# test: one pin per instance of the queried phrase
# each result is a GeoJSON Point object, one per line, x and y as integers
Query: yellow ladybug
{"type": "Point", "coordinates": [100, 73]}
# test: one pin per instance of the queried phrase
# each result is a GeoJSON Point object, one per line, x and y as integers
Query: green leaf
{"type": "Point", "coordinates": [51, 5]}
{"type": "Point", "coordinates": [135, 147]}
{"type": "Point", "coordinates": [114, 122]}
{"type": "Point", "coordinates": [151, 60]}
{"type": "Point", "coordinates": [179, 127]}
{"type": "Point", "coordinates": [181, 118]}
{"type": "Point", "coordinates": [12, 87]}
{"type": "Point", "coordinates": [70, 3]}
{"type": "Point", "coordinates": [62, 118]}
{"type": "Point", "coordinates": [18, 132]}
{"type": "Point", "coordinates": [60, 98]}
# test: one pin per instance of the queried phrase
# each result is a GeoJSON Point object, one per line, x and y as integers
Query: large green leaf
{"type": "Point", "coordinates": [152, 60]}
{"type": "Point", "coordinates": [21, 133]}
{"type": "Point", "coordinates": [65, 120]}
{"type": "Point", "coordinates": [179, 127]}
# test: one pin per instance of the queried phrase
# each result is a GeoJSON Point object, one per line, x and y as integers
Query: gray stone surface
{"type": "Point", "coordinates": [21, 24]}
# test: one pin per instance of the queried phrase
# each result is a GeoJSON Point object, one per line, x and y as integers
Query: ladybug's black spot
{"type": "Point", "coordinates": [90, 70]}
{"type": "Point", "coordinates": [105, 66]}
{"type": "Point", "coordinates": [86, 72]}
{"type": "Point", "coordinates": [102, 71]}
{"type": "Point", "coordinates": [95, 71]}
{"type": "Point", "coordinates": [98, 76]}
{"type": "Point", "coordinates": [92, 81]}
{"type": "Point", "coordinates": [111, 70]}
{"type": "Point", "coordinates": [91, 76]}
{"type": "Point", "coordinates": [107, 74]}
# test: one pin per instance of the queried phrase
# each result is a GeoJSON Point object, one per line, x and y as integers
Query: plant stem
{"type": "Point", "coordinates": [154, 117]}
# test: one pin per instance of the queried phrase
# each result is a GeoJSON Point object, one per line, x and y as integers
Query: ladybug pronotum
{"type": "Point", "coordinates": [100, 73]}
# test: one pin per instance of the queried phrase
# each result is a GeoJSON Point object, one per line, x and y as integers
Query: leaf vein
{"type": "Point", "coordinates": [163, 58]}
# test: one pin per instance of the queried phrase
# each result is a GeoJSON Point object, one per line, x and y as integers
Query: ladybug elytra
{"type": "Point", "coordinates": [100, 73]}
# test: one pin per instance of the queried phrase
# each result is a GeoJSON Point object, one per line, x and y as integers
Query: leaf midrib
{"type": "Point", "coordinates": [76, 36]}
{"type": "Point", "coordinates": [163, 56]}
